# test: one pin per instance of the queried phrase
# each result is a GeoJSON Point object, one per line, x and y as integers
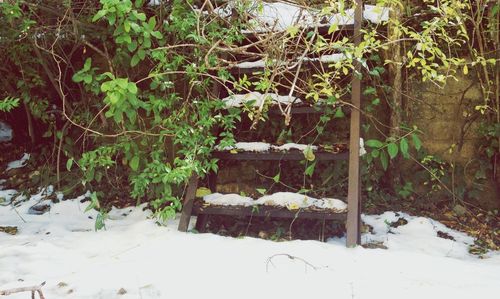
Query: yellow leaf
{"type": "Point", "coordinates": [466, 70]}
{"type": "Point", "coordinates": [308, 153]}
{"type": "Point", "coordinates": [233, 151]}
{"type": "Point", "coordinates": [293, 206]}
{"type": "Point", "coordinates": [202, 191]}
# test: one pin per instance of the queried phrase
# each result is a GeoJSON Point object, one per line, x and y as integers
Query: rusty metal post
{"type": "Point", "coordinates": [354, 190]}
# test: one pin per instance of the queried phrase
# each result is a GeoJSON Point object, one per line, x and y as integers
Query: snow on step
{"type": "Point", "coordinates": [293, 146]}
{"type": "Point", "coordinates": [279, 16]}
{"type": "Point", "coordinates": [247, 147]}
{"type": "Point", "coordinates": [237, 100]}
{"type": "Point", "coordinates": [228, 199]}
{"type": "Point", "coordinates": [330, 203]}
{"type": "Point", "coordinates": [327, 58]}
{"type": "Point", "coordinates": [289, 200]}
{"type": "Point", "coordinates": [286, 199]}
{"type": "Point", "coordinates": [265, 147]}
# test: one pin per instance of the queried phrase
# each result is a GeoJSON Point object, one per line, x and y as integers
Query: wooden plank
{"type": "Point", "coordinates": [188, 203]}
{"type": "Point", "coordinates": [266, 211]}
{"type": "Point", "coordinates": [279, 156]}
{"type": "Point", "coordinates": [354, 195]}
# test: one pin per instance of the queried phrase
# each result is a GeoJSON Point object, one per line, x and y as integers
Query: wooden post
{"type": "Point", "coordinates": [354, 190]}
{"type": "Point", "coordinates": [188, 203]}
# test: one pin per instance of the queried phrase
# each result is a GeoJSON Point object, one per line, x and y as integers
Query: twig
{"type": "Point", "coordinates": [306, 263]}
{"type": "Point", "coordinates": [32, 289]}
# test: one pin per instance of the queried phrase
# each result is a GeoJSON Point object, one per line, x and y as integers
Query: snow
{"type": "Point", "coordinates": [19, 163]}
{"type": "Point", "coordinates": [293, 146]}
{"type": "Point", "coordinates": [330, 203]}
{"type": "Point", "coordinates": [286, 199]}
{"type": "Point", "coordinates": [247, 147]}
{"type": "Point", "coordinates": [237, 100]}
{"type": "Point", "coordinates": [264, 147]}
{"type": "Point", "coordinates": [6, 195]}
{"type": "Point", "coordinates": [228, 199]}
{"type": "Point", "coordinates": [154, 2]}
{"type": "Point", "coordinates": [362, 149]}
{"type": "Point", "coordinates": [328, 58]}
{"type": "Point", "coordinates": [418, 230]}
{"type": "Point", "coordinates": [251, 64]}
{"type": "Point", "coordinates": [5, 132]}
{"type": "Point", "coordinates": [289, 200]}
{"type": "Point", "coordinates": [151, 261]}
{"type": "Point", "coordinates": [278, 16]}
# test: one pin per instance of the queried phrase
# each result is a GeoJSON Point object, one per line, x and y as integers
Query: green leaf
{"type": "Point", "coordinates": [339, 113]}
{"type": "Point", "coordinates": [370, 90]}
{"type": "Point", "coordinates": [134, 163]}
{"type": "Point", "coordinates": [94, 202]}
{"type": "Point", "coordinates": [374, 143]}
{"type": "Point", "coordinates": [261, 190]}
{"type": "Point", "coordinates": [77, 78]}
{"type": "Point", "coordinates": [416, 141]}
{"type": "Point", "coordinates": [310, 169]}
{"type": "Point", "coordinates": [87, 64]}
{"type": "Point", "coordinates": [87, 79]}
{"type": "Point", "coordinates": [69, 163]}
{"type": "Point", "coordinates": [132, 46]}
{"type": "Point", "coordinates": [99, 15]}
{"type": "Point", "coordinates": [276, 178]}
{"type": "Point", "coordinates": [141, 53]}
{"type": "Point", "coordinates": [132, 88]}
{"type": "Point", "coordinates": [99, 221]}
{"type": "Point", "coordinates": [375, 153]}
{"type": "Point", "coordinates": [135, 60]}
{"type": "Point", "coordinates": [112, 19]}
{"type": "Point", "coordinates": [152, 23]}
{"type": "Point", "coordinates": [126, 26]}
{"type": "Point", "coordinates": [384, 160]}
{"type": "Point", "coordinates": [392, 149]}
{"type": "Point", "coordinates": [141, 16]}
{"type": "Point", "coordinates": [403, 146]}
{"type": "Point", "coordinates": [157, 34]}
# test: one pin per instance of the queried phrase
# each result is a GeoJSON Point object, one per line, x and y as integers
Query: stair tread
{"type": "Point", "coordinates": [199, 208]}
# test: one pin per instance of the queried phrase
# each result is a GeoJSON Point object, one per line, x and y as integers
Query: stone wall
{"type": "Point", "coordinates": [447, 117]}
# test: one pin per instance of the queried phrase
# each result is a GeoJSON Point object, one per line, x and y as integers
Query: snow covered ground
{"type": "Point", "coordinates": [136, 258]}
